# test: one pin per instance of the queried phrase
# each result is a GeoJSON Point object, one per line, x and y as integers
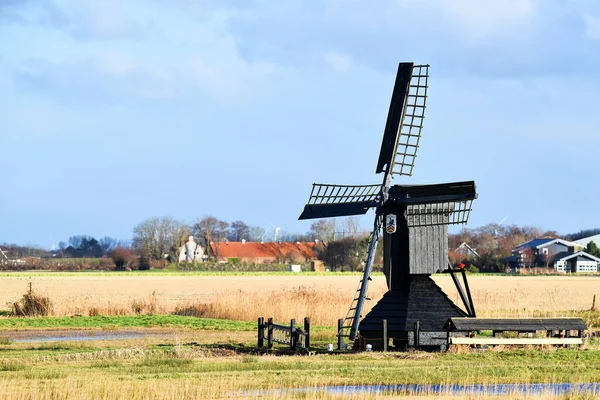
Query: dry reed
{"type": "Point", "coordinates": [323, 298]}
{"type": "Point", "coordinates": [32, 304]}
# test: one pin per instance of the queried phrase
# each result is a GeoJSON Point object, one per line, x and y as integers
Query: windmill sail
{"type": "Point", "coordinates": [405, 120]}
{"type": "Point", "coordinates": [340, 200]}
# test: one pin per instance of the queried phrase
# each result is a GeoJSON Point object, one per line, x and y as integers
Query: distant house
{"type": "Point", "coordinates": [559, 254]}
{"type": "Point", "coordinates": [466, 250]}
{"type": "Point", "coordinates": [191, 251]}
{"type": "Point", "coordinates": [264, 252]}
{"type": "Point", "coordinates": [576, 262]}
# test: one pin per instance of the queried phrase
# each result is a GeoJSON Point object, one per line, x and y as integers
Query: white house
{"type": "Point", "coordinates": [562, 255]}
{"type": "Point", "coordinates": [577, 262]}
{"type": "Point", "coordinates": [191, 251]}
{"type": "Point", "coordinates": [467, 250]}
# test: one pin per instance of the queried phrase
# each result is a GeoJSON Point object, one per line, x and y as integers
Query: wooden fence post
{"type": "Point", "coordinates": [270, 333]}
{"type": "Point", "coordinates": [293, 337]}
{"type": "Point", "coordinates": [307, 332]}
{"type": "Point", "coordinates": [261, 332]}
{"type": "Point", "coordinates": [339, 335]}
{"type": "Point", "coordinates": [416, 334]}
{"type": "Point", "coordinates": [385, 334]}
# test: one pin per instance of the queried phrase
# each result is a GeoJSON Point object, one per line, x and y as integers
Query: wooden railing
{"type": "Point", "coordinates": [289, 335]}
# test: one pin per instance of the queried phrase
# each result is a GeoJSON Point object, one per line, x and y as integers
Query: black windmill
{"type": "Point", "coordinates": [415, 239]}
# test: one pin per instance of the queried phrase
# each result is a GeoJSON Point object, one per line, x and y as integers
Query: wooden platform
{"type": "Point", "coordinates": [515, 324]}
{"type": "Point", "coordinates": [554, 331]}
{"type": "Point", "coordinates": [515, 341]}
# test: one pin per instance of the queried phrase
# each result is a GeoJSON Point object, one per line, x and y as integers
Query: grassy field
{"type": "Point", "coordinates": [323, 297]}
{"type": "Point", "coordinates": [183, 356]}
{"type": "Point", "coordinates": [194, 365]}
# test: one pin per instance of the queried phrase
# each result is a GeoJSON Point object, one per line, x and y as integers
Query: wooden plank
{"type": "Point", "coordinates": [508, 341]}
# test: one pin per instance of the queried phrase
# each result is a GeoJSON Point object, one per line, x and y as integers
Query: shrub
{"type": "Point", "coordinates": [122, 257]}
{"type": "Point", "coordinates": [32, 304]}
{"type": "Point", "coordinates": [472, 269]}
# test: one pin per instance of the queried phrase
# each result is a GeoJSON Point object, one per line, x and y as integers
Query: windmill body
{"type": "Point", "coordinates": [416, 219]}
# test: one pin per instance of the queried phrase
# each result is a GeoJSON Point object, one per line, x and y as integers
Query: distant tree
{"type": "Point", "coordinates": [157, 238]}
{"type": "Point", "coordinates": [285, 236]}
{"type": "Point", "coordinates": [528, 257]}
{"type": "Point", "coordinates": [323, 230]}
{"type": "Point", "coordinates": [76, 241]}
{"type": "Point", "coordinates": [592, 249]}
{"type": "Point", "coordinates": [239, 230]}
{"type": "Point", "coordinates": [206, 229]}
{"type": "Point", "coordinates": [14, 251]}
{"type": "Point", "coordinates": [546, 259]}
{"type": "Point", "coordinates": [348, 253]}
{"type": "Point", "coordinates": [122, 257]}
{"type": "Point", "coordinates": [210, 229]}
{"type": "Point", "coordinates": [90, 247]}
{"type": "Point", "coordinates": [108, 243]}
{"type": "Point", "coordinates": [582, 234]}
{"type": "Point", "coordinates": [256, 234]}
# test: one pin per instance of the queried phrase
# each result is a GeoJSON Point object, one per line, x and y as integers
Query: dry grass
{"type": "Point", "coordinates": [323, 298]}
{"type": "Point", "coordinates": [32, 304]}
{"type": "Point", "coordinates": [324, 307]}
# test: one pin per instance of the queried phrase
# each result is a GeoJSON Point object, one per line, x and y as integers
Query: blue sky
{"type": "Point", "coordinates": [115, 111]}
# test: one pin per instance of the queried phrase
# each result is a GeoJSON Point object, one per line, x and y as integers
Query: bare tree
{"type": "Point", "coordinates": [205, 229]}
{"type": "Point", "coordinates": [108, 243]}
{"type": "Point", "coordinates": [210, 229]}
{"type": "Point", "coordinates": [239, 230]}
{"type": "Point", "coordinates": [157, 238]}
{"type": "Point", "coordinates": [323, 230]}
{"type": "Point", "coordinates": [256, 234]}
{"type": "Point", "coordinates": [351, 226]}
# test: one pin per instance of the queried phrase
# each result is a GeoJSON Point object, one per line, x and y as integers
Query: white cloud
{"type": "Point", "coordinates": [102, 19]}
{"type": "Point", "coordinates": [476, 19]}
{"type": "Point", "coordinates": [338, 61]}
{"type": "Point", "coordinates": [115, 64]}
{"type": "Point", "coordinates": [223, 73]}
{"type": "Point", "coordinates": [592, 25]}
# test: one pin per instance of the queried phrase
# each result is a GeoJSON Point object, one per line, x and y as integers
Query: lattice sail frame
{"type": "Point", "coordinates": [411, 125]}
{"type": "Point", "coordinates": [442, 213]}
{"type": "Point", "coordinates": [323, 193]}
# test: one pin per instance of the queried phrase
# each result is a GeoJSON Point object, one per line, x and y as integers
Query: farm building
{"type": "Point", "coordinates": [264, 252]}
{"type": "Point", "coordinates": [466, 250]}
{"type": "Point", "coordinates": [576, 262]}
{"type": "Point", "coordinates": [558, 254]}
{"type": "Point", "coordinates": [191, 251]}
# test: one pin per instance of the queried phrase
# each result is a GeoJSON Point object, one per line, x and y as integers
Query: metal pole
{"type": "Point", "coordinates": [464, 274]}
{"type": "Point", "coordinates": [365, 279]}
{"type": "Point", "coordinates": [385, 335]}
{"type": "Point", "coordinates": [261, 332]}
{"type": "Point", "coordinates": [270, 333]}
{"type": "Point", "coordinates": [307, 332]}
{"type": "Point", "coordinates": [463, 296]}
{"type": "Point", "coordinates": [340, 339]}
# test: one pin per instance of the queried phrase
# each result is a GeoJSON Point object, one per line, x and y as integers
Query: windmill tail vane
{"type": "Point", "coordinates": [415, 217]}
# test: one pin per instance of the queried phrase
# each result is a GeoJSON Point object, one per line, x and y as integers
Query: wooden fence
{"type": "Point", "coordinates": [289, 335]}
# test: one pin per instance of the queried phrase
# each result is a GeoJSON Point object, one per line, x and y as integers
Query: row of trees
{"type": "Point", "coordinates": [159, 237]}
{"type": "Point", "coordinates": [87, 246]}
{"type": "Point", "coordinates": [344, 245]}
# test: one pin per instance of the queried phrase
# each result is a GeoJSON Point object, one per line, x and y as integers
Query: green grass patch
{"type": "Point", "coordinates": [172, 272]}
{"type": "Point", "coordinates": [126, 321]}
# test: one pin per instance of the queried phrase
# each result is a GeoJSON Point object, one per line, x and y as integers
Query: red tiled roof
{"type": "Point", "coordinates": [263, 250]}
